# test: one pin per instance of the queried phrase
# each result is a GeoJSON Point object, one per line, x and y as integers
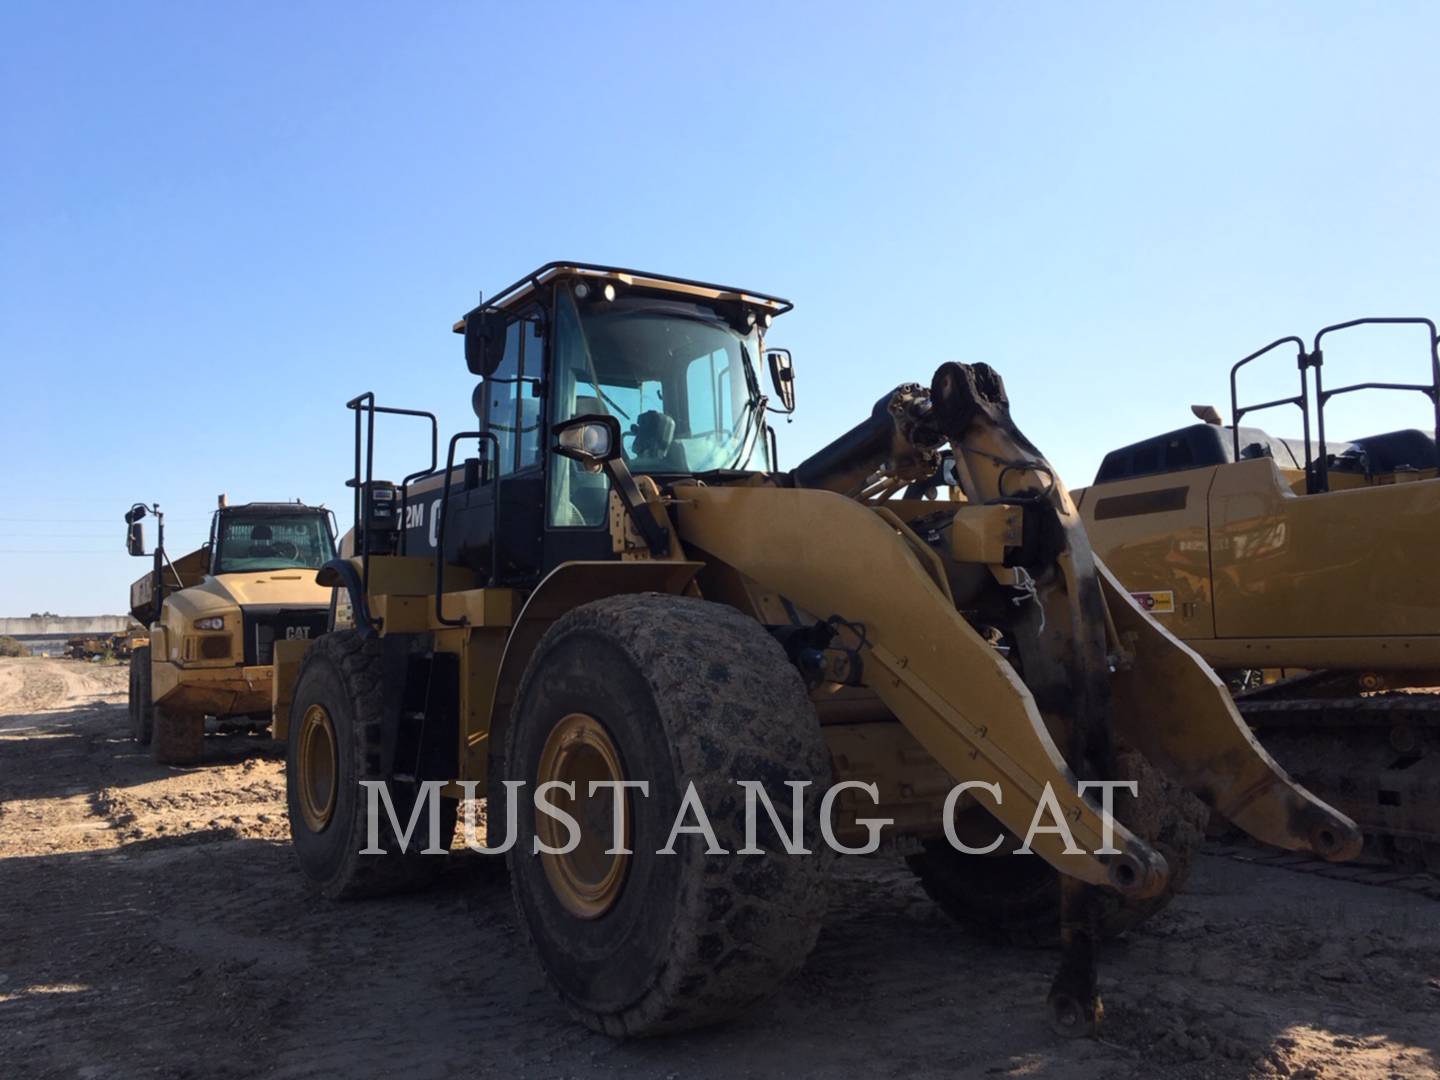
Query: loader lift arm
{"type": "Point", "coordinates": [1095, 669]}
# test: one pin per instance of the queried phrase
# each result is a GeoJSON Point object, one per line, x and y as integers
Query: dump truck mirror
{"type": "Point", "coordinates": [135, 538]}
{"type": "Point", "coordinates": [484, 341]}
{"type": "Point", "coordinates": [590, 440]}
{"type": "Point", "coordinates": [782, 375]}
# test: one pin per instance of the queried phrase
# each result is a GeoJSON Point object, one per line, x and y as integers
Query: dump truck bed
{"type": "Point", "coordinates": [185, 571]}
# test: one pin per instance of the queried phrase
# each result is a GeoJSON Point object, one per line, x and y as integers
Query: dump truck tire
{"type": "Point", "coordinates": [176, 738]}
{"type": "Point", "coordinates": [672, 691]}
{"type": "Point", "coordinates": [1015, 899]}
{"type": "Point", "coordinates": [141, 710]}
{"type": "Point", "coordinates": [333, 744]}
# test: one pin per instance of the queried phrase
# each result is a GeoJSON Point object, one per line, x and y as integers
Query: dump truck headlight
{"type": "Point", "coordinates": [212, 622]}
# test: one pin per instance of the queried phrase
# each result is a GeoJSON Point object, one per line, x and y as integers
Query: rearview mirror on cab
{"type": "Point", "coordinates": [134, 531]}
{"type": "Point", "coordinates": [782, 376]}
{"type": "Point", "coordinates": [484, 341]}
{"type": "Point", "coordinates": [590, 440]}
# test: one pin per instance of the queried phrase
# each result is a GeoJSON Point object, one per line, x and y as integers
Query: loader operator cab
{"type": "Point", "coordinates": [673, 364]}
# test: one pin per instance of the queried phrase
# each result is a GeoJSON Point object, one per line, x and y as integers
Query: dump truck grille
{"type": "Point", "coordinates": [264, 627]}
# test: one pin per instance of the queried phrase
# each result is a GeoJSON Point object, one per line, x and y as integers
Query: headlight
{"type": "Point", "coordinates": [213, 622]}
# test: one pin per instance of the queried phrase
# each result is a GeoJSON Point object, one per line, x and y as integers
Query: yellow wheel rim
{"type": "Point", "coordinates": [318, 768]}
{"type": "Point", "coordinates": [587, 881]}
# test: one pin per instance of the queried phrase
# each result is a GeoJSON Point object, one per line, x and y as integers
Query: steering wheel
{"type": "Point", "coordinates": [284, 549]}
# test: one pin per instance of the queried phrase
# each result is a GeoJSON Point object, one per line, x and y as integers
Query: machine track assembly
{"type": "Point", "coordinates": [1374, 757]}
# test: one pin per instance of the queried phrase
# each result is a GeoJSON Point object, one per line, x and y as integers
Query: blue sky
{"type": "Point", "coordinates": [219, 223]}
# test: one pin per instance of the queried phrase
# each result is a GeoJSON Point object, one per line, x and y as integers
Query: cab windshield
{"type": "Point", "coordinates": [249, 542]}
{"type": "Point", "coordinates": [678, 377]}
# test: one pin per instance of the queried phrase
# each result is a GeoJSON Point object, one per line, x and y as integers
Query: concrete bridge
{"type": "Point", "coordinates": [47, 635]}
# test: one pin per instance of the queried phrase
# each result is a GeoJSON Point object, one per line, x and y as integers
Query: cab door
{"type": "Point", "coordinates": [512, 408]}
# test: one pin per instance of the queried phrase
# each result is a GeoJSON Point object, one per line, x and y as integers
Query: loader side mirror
{"type": "Point", "coordinates": [591, 440]}
{"type": "Point", "coordinates": [782, 376]}
{"type": "Point", "coordinates": [135, 538]}
{"type": "Point", "coordinates": [484, 341]}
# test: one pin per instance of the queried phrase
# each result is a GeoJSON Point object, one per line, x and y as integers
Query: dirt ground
{"type": "Point", "coordinates": [155, 925]}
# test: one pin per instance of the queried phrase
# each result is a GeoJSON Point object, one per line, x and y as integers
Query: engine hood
{"type": "Point", "coordinates": [286, 588]}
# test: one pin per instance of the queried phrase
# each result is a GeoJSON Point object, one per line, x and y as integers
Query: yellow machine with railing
{"type": "Point", "coordinates": [905, 639]}
{"type": "Point", "coordinates": [1304, 571]}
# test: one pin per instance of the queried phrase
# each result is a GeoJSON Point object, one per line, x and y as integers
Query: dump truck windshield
{"type": "Point", "coordinates": [248, 542]}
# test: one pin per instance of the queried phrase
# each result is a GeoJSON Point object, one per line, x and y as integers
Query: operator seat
{"type": "Point", "coordinates": [655, 448]}
{"type": "Point", "coordinates": [260, 542]}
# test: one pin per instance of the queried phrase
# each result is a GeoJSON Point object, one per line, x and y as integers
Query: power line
{"type": "Point", "coordinates": [90, 526]}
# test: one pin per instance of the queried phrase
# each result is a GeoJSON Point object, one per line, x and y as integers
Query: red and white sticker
{"type": "Point", "coordinates": [1161, 602]}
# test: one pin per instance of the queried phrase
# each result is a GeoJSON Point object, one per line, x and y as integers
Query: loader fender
{"type": "Point", "coordinates": [345, 574]}
{"type": "Point", "coordinates": [951, 689]}
{"type": "Point", "coordinates": [563, 589]}
{"type": "Point", "coordinates": [1171, 707]}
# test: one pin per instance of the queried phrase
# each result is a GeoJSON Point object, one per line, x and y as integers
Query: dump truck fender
{"type": "Point", "coordinates": [563, 589]}
{"type": "Point", "coordinates": [159, 643]}
{"type": "Point", "coordinates": [1171, 707]}
{"type": "Point", "coordinates": [950, 688]}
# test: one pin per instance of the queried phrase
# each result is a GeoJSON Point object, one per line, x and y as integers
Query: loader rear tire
{"type": "Point", "coordinates": [673, 691]}
{"type": "Point", "coordinates": [142, 715]}
{"type": "Point", "coordinates": [176, 738]}
{"type": "Point", "coordinates": [336, 718]}
{"type": "Point", "coordinates": [1015, 899]}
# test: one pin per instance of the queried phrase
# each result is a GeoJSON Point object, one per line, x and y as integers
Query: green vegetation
{"type": "Point", "coordinates": [10, 647]}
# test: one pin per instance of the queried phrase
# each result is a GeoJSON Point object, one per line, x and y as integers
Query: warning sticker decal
{"type": "Point", "coordinates": [1156, 603]}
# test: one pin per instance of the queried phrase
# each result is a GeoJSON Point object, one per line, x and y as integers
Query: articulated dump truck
{"type": "Point", "coordinates": [1303, 570]}
{"type": "Point", "coordinates": [618, 585]}
{"type": "Point", "coordinates": [214, 616]}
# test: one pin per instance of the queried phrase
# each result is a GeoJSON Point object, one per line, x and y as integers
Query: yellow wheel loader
{"type": "Point", "coordinates": [619, 602]}
{"type": "Point", "coordinates": [214, 616]}
{"type": "Point", "coordinates": [1303, 571]}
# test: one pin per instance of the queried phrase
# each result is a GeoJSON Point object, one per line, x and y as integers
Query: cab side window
{"type": "Point", "coordinates": [501, 398]}
{"type": "Point", "coordinates": [531, 427]}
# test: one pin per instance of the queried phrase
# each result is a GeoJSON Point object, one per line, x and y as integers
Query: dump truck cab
{"type": "Point", "coordinates": [215, 614]}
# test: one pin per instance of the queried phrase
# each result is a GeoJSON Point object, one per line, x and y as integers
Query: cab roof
{"type": "Point", "coordinates": [532, 282]}
{"type": "Point", "coordinates": [271, 508]}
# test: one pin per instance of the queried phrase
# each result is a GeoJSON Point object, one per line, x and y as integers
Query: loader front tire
{"type": "Point", "coordinates": [176, 738]}
{"type": "Point", "coordinates": [1015, 899]}
{"type": "Point", "coordinates": [141, 708]}
{"type": "Point", "coordinates": [336, 717]}
{"type": "Point", "coordinates": [672, 691]}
